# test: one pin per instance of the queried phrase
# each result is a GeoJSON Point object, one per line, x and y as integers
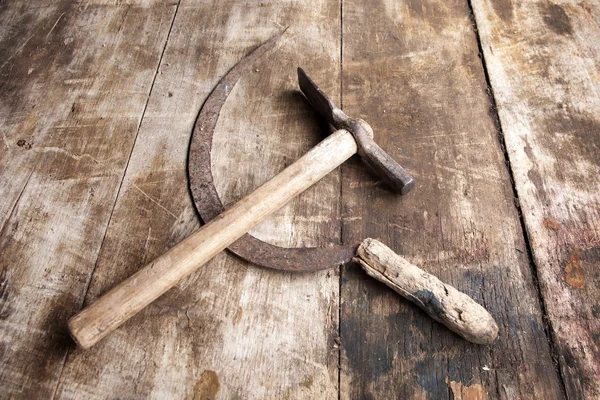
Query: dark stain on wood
{"type": "Point", "coordinates": [430, 303]}
{"type": "Point", "coordinates": [556, 19]}
{"type": "Point", "coordinates": [575, 137]}
{"type": "Point", "coordinates": [32, 49]}
{"type": "Point", "coordinates": [371, 361]}
{"type": "Point", "coordinates": [504, 10]}
{"type": "Point", "coordinates": [207, 387]}
{"type": "Point", "coordinates": [538, 182]}
{"type": "Point", "coordinates": [307, 382]}
{"type": "Point", "coordinates": [24, 144]}
{"type": "Point", "coordinates": [528, 150]}
{"type": "Point", "coordinates": [551, 224]}
{"type": "Point", "coordinates": [430, 12]}
{"type": "Point", "coordinates": [574, 275]}
{"type": "Point", "coordinates": [238, 316]}
{"type": "Point", "coordinates": [574, 381]}
{"type": "Point", "coordinates": [580, 270]}
{"type": "Point", "coordinates": [6, 308]}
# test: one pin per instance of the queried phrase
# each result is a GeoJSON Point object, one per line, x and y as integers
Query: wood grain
{"type": "Point", "coordinates": [544, 66]}
{"type": "Point", "coordinates": [74, 79]}
{"type": "Point", "coordinates": [411, 70]}
{"type": "Point", "coordinates": [232, 329]}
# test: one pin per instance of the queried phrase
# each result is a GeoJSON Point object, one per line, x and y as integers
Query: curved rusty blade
{"type": "Point", "coordinates": [209, 205]}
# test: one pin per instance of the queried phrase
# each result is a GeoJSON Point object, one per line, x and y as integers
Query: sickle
{"type": "Point", "coordinates": [209, 205]}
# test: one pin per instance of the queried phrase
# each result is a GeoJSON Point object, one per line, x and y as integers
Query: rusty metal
{"type": "Point", "coordinates": [209, 205]}
{"type": "Point", "coordinates": [394, 175]}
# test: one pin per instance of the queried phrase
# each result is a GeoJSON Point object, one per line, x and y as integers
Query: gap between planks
{"type": "Point", "coordinates": [547, 323]}
{"type": "Point", "coordinates": [118, 192]}
{"type": "Point", "coordinates": [341, 211]}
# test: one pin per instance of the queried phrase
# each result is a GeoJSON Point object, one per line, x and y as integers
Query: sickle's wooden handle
{"type": "Point", "coordinates": [442, 302]}
{"type": "Point", "coordinates": [146, 285]}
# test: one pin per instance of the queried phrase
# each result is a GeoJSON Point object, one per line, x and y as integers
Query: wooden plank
{"type": "Point", "coordinates": [74, 82]}
{"type": "Point", "coordinates": [411, 70]}
{"type": "Point", "coordinates": [232, 329]}
{"type": "Point", "coordinates": [543, 60]}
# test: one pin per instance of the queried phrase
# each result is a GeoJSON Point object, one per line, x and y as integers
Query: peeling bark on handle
{"type": "Point", "coordinates": [442, 302]}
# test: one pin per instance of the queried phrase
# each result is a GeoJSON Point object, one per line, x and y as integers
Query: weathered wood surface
{"type": "Point", "coordinates": [543, 61]}
{"type": "Point", "coordinates": [231, 329]}
{"type": "Point", "coordinates": [74, 80]}
{"type": "Point", "coordinates": [410, 70]}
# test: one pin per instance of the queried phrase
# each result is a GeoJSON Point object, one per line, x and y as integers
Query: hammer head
{"type": "Point", "coordinates": [374, 156]}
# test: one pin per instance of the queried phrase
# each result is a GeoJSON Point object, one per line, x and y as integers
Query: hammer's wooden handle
{"type": "Point", "coordinates": [442, 302]}
{"type": "Point", "coordinates": [146, 285]}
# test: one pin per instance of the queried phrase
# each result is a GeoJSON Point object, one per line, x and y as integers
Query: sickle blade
{"type": "Point", "coordinates": [209, 205]}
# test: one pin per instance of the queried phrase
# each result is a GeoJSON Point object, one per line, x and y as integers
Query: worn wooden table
{"type": "Point", "coordinates": [493, 105]}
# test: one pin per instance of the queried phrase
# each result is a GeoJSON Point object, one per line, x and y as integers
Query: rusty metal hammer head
{"type": "Point", "coordinates": [374, 156]}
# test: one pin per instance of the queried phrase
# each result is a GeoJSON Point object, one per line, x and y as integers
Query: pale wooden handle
{"type": "Point", "coordinates": [442, 302]}
{"type": "Point", "coordinates": [135, 293]}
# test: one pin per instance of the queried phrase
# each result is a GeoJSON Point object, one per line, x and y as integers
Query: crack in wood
{"type": "Point", "coordinates": [548, 329]}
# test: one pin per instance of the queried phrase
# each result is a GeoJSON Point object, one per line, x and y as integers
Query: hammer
{"type": "Point", "coordinates": [442, 302]}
